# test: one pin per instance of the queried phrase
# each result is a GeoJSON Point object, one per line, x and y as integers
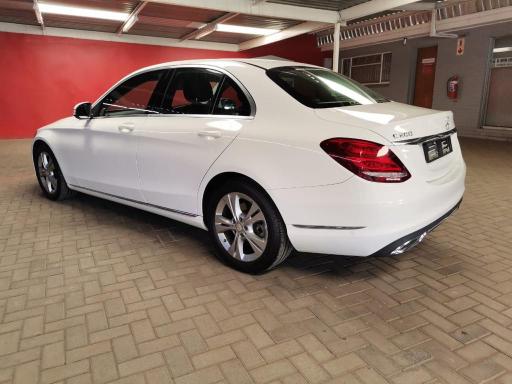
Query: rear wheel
{"type": "Point", "coordinates": [49, 175]}
{"type": "Point", "coordinates": [247, 230]}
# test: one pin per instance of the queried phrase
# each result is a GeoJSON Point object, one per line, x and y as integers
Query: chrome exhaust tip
{"type": "Point", "coordinates": [409, 244]}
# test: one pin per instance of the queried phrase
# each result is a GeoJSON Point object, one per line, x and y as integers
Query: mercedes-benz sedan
{"type": "Point", "coordinates": [266, 155]}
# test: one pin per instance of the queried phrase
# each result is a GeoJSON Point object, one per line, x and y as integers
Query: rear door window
{"type": "Point", "coordinates": [192, 91]}
{"type": "Point", "coordinates": [231, 100]}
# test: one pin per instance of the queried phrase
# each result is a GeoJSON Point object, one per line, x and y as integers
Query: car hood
{"type": "Point", "coordinates": [393, 121]}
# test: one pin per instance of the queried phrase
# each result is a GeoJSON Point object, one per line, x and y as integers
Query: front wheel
{"type": "Point", "coordinates": [49, 175]}
{"type": "Point", "coordinates": [247, 230]}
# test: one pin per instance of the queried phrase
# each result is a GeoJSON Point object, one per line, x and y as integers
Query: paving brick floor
{"type": "Point", "coordinates": [94, 292]}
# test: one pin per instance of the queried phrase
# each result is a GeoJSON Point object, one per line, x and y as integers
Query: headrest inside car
{"type": "Point", "coordinates": [197, 88]}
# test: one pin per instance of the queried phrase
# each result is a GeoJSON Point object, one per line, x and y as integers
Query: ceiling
{"type": "Point", "coordinates": [176, 20]}
{"type": "Point", "coordinates": [331, 5]}
{"type": "Point", "coordinates": [155, 19]}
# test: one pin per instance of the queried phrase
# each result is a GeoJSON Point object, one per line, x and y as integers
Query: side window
{"type": "Point", "coordinates": [231, 100]}
{"type": "Point", "coordinates": [135, 96]}
{"type": "Point", "coordinates": [192, 91]}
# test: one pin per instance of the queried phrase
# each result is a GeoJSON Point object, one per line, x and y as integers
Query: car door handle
{"type": "Point", "coordinates": [126, 127]}
{"type": "Point", "coordinates": [210, 134]}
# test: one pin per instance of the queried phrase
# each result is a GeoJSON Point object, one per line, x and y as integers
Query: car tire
{"type": "Point", "coordinates": [49, 175]}
{"type": "Point", "coordinates": [257, 225]}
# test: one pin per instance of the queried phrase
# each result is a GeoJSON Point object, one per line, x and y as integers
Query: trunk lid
{"type": "Point", "coordinates": [406, 128]}
{"type": "Point", "coordinates": [395, 122]}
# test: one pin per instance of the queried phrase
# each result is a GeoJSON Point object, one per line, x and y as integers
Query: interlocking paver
{"type": "Point", "coordinates": [214, 356]}
{"type": "Point", "coordinates": [103, 368]}
{"type": "Point", "coordinates": [179, 361]}
{"type": "Point", "coordinates": [273, 371]}
{"type": "Point", "coordinates": [483, 371]}
{"type": "Point", "coordinates": [87, 351]}
{"type": "Point", "coordinates": [193, 342]}
{"type": "Point", "coordinates": [94, 292]}
{"type": "Point", "coordinates": [54, 355]}
{"type": "Point", "coordinates": [53, 375]}
{"type": "Point", "coordinates": [235, 372]}
{"type": "Point", "coordinates": [9, 342]}
{"type": "Point", "coordinates": [27, 373]}
{"type": "Point", "coordinates": [309, 368]}
{"type": "Point", "coordinates": [344, 364]}
{"type": "Point", "coordinates": [124, 348]}
{"type": "Point", "coordinates": [141, 364]}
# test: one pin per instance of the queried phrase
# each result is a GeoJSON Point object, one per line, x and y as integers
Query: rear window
{"type": "Point", "coordinates": [321, 88]}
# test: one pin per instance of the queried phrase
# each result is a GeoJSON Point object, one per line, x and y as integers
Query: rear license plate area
{"type": "Point", "coordinates": [435, 149]}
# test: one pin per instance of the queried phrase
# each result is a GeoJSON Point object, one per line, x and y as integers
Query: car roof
{"type": "Point", "coordinates": [268, 63]}
{"type": "Point", "coordinates": [226, 63]}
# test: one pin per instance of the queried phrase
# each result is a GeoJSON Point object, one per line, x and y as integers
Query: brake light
{"type": "Point", "coordinates": [369, 160]}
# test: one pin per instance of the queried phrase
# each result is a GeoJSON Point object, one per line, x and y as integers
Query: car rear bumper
{"type": "Point", "coordinates": [409, 241]}
{"type": "Point", "coordinates": [361, 218]}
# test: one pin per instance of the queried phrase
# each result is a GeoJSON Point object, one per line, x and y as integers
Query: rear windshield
{"type": "Point", "coordinates": [321, 88]}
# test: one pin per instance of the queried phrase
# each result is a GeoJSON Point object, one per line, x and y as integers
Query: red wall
{"type": "Point", "coordinates": [301, 48]}
{"type": "Point", "coordinates": [43, 77]}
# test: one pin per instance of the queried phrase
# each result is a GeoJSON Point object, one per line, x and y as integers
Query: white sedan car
{"type": "Point", "coordinates": [266, 155]}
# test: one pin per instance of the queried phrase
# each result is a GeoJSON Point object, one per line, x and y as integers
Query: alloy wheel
{"type": "Point", "coordinates": [47, 172]}
{"type": "Point", "coordinates": [241, 226]}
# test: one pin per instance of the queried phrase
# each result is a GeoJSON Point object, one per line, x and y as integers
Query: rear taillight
{"type": "Point", "coordinates": [371, 161]}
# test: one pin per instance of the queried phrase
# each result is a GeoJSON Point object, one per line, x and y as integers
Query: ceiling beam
{"type": "Point", "coordinates": [262, 9]}
{"type": "Point", "coordinates": [371, 7]}
{"type": "Point", "coordinates": [455, 24]}
{"type": "Point", "coordinates": [132, 19]}
{"type": "Point", "coordinates": [416, 7]}
{"type": "Point", "coordinates": [39, 16]}
{"type": "Point", "coordinates": [208, 28]}
{"type": "Point", "coordinates": [162, 21]}
{"type": "Point", "coordinates": [300, 29]}
{"type": "Point", "coordinates": [107, 36]}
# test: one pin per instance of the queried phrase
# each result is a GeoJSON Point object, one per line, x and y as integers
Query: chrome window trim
{"type": "Point", "coordinates": [246, 92]}
{"type": "Point", "coordinates": [141, 110]}
{"type": "Point", "coordinates": [424, 139]}
{"type": "Point", "coordinates": [199, 116]}
{"type": "Point", "coordinates": [121, 117]}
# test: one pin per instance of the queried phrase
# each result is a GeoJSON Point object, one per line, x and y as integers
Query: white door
{"type": "Point", "coordinates": [105, 159]}
{"type": "Point", "coordinates": [204, 110]}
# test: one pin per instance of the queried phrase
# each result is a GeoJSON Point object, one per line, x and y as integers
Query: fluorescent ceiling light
{"type": "Point", "coordinates": [65, 10]}
{"type": "Point", "coordinates": [501, 50]}
{"type": "Point", "coordinates": [245, 30]}
{"type": "Point", "coordinates": [129, 23]}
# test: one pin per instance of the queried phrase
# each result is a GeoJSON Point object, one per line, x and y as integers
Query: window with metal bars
{"type": "Point", "coordinates": [369, 69]}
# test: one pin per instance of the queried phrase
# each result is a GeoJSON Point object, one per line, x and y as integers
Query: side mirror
{"type": "Point", "coordinates": [82, 110]}
{"type": "Point", "coordinates": [227, 105]}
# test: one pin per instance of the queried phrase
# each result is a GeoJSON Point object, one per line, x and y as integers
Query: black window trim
{"type": "Point", "coordinates": [226, 78]}
{"type": "Point", "coordinates": [166, 95]}
{"type": "Point", "coordinates": [225, 74]}
{"type": "Point", "coordinates": [171, 71]}
{"type": "Point", "coordinates": [217, 95]}
{"type": "Point", "coordinates": [124, 80]}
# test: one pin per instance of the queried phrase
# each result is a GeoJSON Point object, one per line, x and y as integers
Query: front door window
{"type": "Point", "coordinates": [135, 96]}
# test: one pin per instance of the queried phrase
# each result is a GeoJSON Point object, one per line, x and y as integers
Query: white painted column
{"type": "Point", "coordinates": [336, 47]}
